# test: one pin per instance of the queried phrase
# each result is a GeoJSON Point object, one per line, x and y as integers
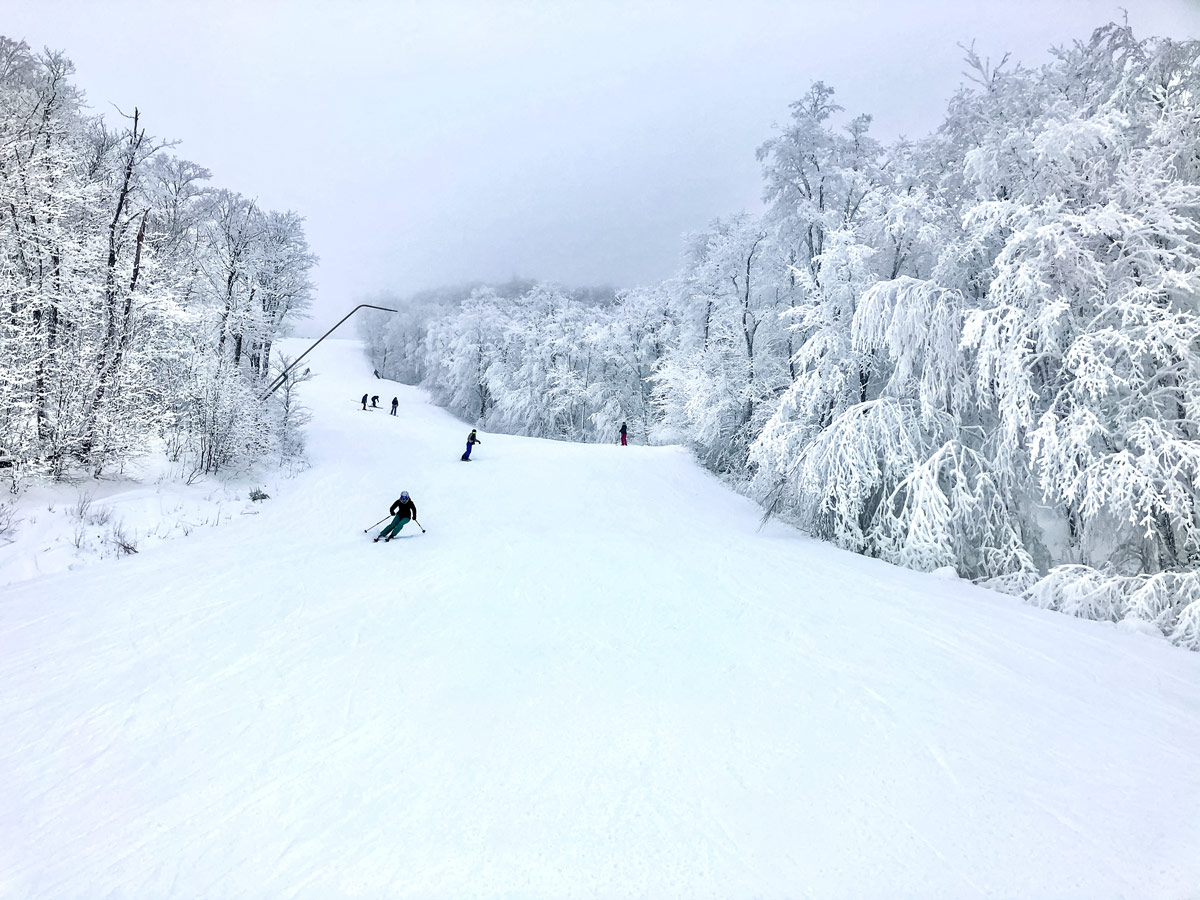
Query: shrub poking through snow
{"type": "Point", "coordinates": [120, 540]}
{"type": "Point", "coordinates": [8, 519]}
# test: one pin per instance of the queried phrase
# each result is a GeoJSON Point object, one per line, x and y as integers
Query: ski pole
{"type": "Point", "coordinates": [419, 525]}
{"type": "Point", "coordinates": [369, 527]}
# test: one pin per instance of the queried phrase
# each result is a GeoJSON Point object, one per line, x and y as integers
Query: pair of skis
{"type": "Point", "coordinates": [385, 518]}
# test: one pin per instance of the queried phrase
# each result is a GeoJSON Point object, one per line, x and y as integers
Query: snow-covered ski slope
{"type": "Point", "coordinates": [592, 677]}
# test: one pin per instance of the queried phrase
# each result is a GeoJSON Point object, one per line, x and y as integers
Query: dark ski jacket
{"type": "Point", "coordinates": [401, 505]}
{"type": "Point", "coordinates": [623, 428]}
{"type": "Point", "coordinates": [471, 439]}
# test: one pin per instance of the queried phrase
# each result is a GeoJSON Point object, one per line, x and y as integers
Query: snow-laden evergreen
{"type": "Point", "coordinates": [978, 350]}
{"type": "Point", "coordinates": [140, 306]}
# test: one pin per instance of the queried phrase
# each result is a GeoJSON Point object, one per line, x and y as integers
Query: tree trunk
{"type": "Point", "coordinates": [109, 355]}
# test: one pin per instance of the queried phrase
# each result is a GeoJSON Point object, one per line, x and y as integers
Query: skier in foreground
{"type": "Point", "coordinates": [403, 510]}
{"type": "Point", "coordinates": [472, 440]}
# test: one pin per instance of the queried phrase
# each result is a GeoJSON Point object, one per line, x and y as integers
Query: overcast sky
{"type": "Point", "coordinates": [439, 142]}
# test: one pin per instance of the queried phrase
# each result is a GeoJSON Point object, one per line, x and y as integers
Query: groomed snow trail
{"type": "Point", "coordinates": [592, 677]}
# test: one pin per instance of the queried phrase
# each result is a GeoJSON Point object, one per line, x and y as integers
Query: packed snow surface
{"type": "Point", "coordinates": [593, 676]}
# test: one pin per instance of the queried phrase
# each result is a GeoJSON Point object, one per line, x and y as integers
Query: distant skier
{"type": "Point", "coordinates": [376, 373]}
{"type": "Point", "coordinates": [472, 440]}
{"type": "Point", "coordinates": [395, 403]}
{"type": "Point", "coordinates": [364, 401]}
{"type": "Point", "coordinates": [404, 511]}
{"type": "Point", "coordinates": [624, 431]}
{"type": "Point", "coordinates": [375, 402]}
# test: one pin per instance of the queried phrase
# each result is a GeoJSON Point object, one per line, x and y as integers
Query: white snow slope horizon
{"type": "Point", "coordinates": [593, 676]}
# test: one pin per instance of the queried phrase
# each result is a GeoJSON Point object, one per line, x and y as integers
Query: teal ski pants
{"type": "Point", "coordinates": [393, 527]}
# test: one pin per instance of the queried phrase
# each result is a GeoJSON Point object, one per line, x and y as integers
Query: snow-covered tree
{"type": "Point", "coordinates": [139, 304]}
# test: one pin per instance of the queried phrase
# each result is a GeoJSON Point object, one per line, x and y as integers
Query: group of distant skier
{"type": "Point", "coordinates": [375, 402]}
{"type": "Point", "coordinates": [404, 510]}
